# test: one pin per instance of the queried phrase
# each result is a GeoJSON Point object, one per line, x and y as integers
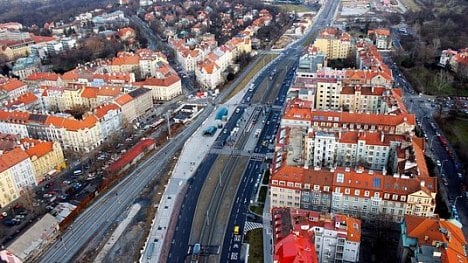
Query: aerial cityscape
{"type": "Point", "coordinates": [274, 131]}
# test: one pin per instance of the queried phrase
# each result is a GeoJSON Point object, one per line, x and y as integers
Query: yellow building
{"type": "Point", "coordinates": [334, 43]}
{"type": "Point", "coordinates": [46, 156]}
{"type": "Point", "coordinates": [8, 191]}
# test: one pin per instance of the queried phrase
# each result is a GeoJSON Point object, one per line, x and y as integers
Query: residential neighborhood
{"type": "Point", "coordinates": [201, 131]}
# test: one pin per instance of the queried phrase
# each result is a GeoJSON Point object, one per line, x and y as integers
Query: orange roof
{"type": "Point", "coordinates": [70, 75]}
{"type": "Point", "coordinates": [89, 92]}
{"type": "Point", "coordinates": [209, 66]}
{"type": "Point", "coordinates": [12, 84]}
{"type": "Point", "coordinates": [26, 99]}
{"type": "Point", "coordinates": [13, 157]}
{"type": "Point", "coordinates": [43, 76]}
{"type": "Point", "coordinates": [75, 125]}
{"type": "Point", "coordinates": [296, 113]}
{"type": "Point", "coordinates": [430, 230]}
{"type": "Point", "coordinates": [41, 39]}
{"type": "Point", "coordinates": [295, 248]}
{"type": "Point", "coordinates": [37, 148]}
{"type": "Point", "coordinates": [418, 147]}
{"type": "Point", "coordinates": [124, 99]}
{"type": "Point", "coordinates": [353, 227]}
{"type": "Point", "coordinates": [380, 31]}
{"type": "Point", "coordinates": [101, 111]}
{"type": "Point", "coordinates": [126, 60]}
{"type": "Point", "coordinates": [160, 82]}
{"type": "Point", "coordinates": [109, 91]}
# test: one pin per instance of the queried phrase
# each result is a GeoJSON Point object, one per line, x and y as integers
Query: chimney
{"type": "Point", "coordinates": [423, 183]}
{"type": "Point", "coordinates": [382, 136]}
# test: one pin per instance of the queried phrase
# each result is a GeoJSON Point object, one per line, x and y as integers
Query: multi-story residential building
{"type": "Point", "coordinates": [328, 94]}
{"type": "Point", "coordinates": [208, 74]}
{"type": "Point", "coordinates": [362, 193]}
{"type": "Point", "coordinates": [110, 119]}
{"type": "Point", "coordinates": [14, 88]}
{"type": "Point", "coordinates": [334, 43]}
{"type": "Point", "coordinates": [44, 79]}
{"type": "Point", "coordinates": [298, 115]}
{"type": "Point", "coordinates": [26, 66]}
{"type": "Point", "coordinates": [26, 102]}
{"type": "Point", "coordinates": [128, 110]}
{"type": "Point", "coordinates": [351, 148]}
{"type": "Point", "coordinates": [363, 99]}
{"type": "Point", "coordinates": [151, 62]}
{"type": "Point", "coordinates": [142, 100]}
{"type": "Point", "coordinates": [165, 85]}
{"type": "Point", "coordinates": [16, 173]}
{"type": "Point", "coordinates": [431, 240]}
{"type": "Point", "coordinates": [310, 63]}
{"type": "Point", "coordinates": [125, 62]}
{"type": "Point", "coordinates": [381, 38]}
{"type": "Point", "coordinates": [45, 156]}
{"type": "Point", "coordinates": [333, 237]}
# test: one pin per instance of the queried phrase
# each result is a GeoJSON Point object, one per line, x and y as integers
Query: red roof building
{"type": "Point", "coordinates": [132, 156]}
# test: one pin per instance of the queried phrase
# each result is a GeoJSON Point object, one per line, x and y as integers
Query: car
{"type": "Point", "coordinates": [460, 175]}
{"type": "Point", "coordinates": [438, 163]}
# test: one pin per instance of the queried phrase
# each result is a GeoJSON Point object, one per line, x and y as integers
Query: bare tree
{"type": "Point", "coordinates": [442, 80]}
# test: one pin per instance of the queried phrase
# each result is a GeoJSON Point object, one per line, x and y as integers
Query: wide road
{"type": "Point", "coordinates": [232, 242]}
{"type": "Point", "coordinates": [95, 220]}
{"type": "Point", "coordinates": [424, 107]}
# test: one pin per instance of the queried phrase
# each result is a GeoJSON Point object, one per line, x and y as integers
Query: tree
{"type": "Point", "coordinates": [442, 80]}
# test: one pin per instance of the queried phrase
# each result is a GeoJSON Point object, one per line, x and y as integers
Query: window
{"type": "Point", "coordinates": [386, 195]}
{"type": "Point", "coordinates": [347, 191]}
{"type": "Point", "coordinates": [366, 193]}
{"type": "Point", "coordinates": [340, 178]}
{"type": "Point", "coordinates": [403, 198]}
{"type": "Point", "coordinates": [395, 197]}
{"type": "Point", "coordinates": [357, 192]}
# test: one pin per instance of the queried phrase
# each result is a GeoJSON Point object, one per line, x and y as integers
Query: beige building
{"type": "Point", "coordinates": [334, 43]}
{"type": "Point", "coordinates": [328, 94]}
{"type": "Point", "coordinates": [361, 193]}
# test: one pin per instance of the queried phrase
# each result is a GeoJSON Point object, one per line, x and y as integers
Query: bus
{"type": "Point", "coordinates": [236, 230]}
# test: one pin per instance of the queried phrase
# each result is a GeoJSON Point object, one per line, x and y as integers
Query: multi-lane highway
{"type": "Point", "coordinates": [230, 250]}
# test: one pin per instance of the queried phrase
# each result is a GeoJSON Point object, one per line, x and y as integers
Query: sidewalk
{"type": "Point", "coordinates": [190, 158]}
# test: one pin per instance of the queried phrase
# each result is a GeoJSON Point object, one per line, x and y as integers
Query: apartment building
{"type": "Point", "coordinates": [358, 192]}
{"type": "Point", "coordinates": [16, 173]}
{"type": "Point", "coordinates": [328, 94]}
{"type": "Point", "coordinates": [135, 103]}
{"type": "Point", "coordinates": [333, 237]}
{"type": "Point", "coordinates": [334, 43]}
{"type": "Point", "coordinates": [14, 88]}
{"type": "Point", "coordinates": [208, 74]}
{"type": "Point", "coordinates": [298, 115]}
{"type": "Point", "coordinates": [45, 156]}
{"type": "Point", "coordinates": [38, 79]}
{"type": "Point", "coordinates": [381, 38]}
{"type": "Point", "coordinates": [431, 240]}
{"type": "Point", "coordinates": [165, 85]}
{"type": "Point", "coordinates": [150, 62]}
{"type": "Point", "coordinates": [110, 119]}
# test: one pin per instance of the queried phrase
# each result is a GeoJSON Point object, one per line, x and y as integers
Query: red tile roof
{"type": "Point", "coordinates": [37, 148]}
{"type": "Point", "coordinates": [124, 99]}
{"type": "Point", "coordinates": [12, 84]}
{"type": "Point", "coordinates": [89, 92]}
{"type": "Point", "coordinates": [102, 110]}
{"type": "Point", "coordinates": [130, 155]}
{"type": "Point", "coordinates": [50, 76]}
{"type": "Point", "coordinates": [430, 230]}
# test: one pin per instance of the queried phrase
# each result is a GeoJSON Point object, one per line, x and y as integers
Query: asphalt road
{"type": "Point", "coordinates": [423, 107]}
{"type": "Point", "coordinates": [231, 247]}
{"type": "Point", "coordinates": [95, 220]}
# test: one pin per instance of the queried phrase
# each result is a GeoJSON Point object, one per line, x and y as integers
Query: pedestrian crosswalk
{"type": "Point", "coordinates": [251, 226]}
